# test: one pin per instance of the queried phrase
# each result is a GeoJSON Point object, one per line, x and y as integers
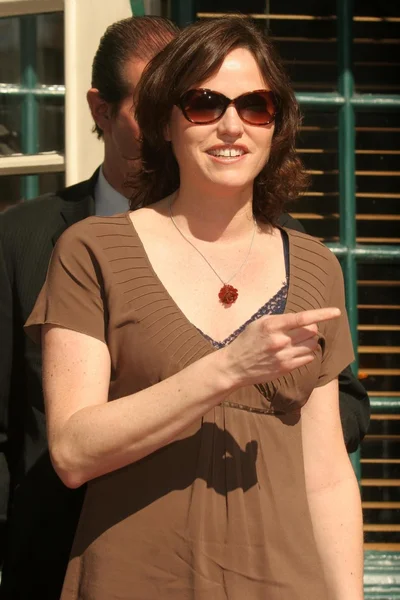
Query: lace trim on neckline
{"type": "Point", "coordinates": [274, 306]}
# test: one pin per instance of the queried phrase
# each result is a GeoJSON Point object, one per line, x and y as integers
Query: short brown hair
{"type": "Point", "coordinates": [194, 56]}
{"type": "Point", "coordinates": [138, 38]}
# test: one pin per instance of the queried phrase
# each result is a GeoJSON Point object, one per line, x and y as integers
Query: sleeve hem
{"type": "Point", "coordinates": [34, 330]}
{"type": "Point", "coordinates": [335, 373]}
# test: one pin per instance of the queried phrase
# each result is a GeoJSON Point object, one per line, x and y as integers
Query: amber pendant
{"type": "Point", "coordinates": [228, 294]}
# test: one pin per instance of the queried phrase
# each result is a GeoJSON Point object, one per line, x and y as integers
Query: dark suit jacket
{"type": "Point", "coordinates": [42, 512]}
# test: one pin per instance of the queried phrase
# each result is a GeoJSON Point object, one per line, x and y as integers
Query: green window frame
{"type": "Point", "coordinates": [29, 92]}
{"type": "Point", "coordinates": [382, 568]}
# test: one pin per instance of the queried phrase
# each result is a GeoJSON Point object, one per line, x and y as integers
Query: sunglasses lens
{"type": "Point", "coordinates": [202, 106]}
{"type": "Point", "coordinates": [257, 108]}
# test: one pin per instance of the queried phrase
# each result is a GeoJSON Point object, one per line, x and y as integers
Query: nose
{"type": "Point", "coordinates": [230, 123]}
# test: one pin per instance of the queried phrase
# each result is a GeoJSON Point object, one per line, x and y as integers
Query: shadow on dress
{"type": "Point", "coordinates": [211, 454]}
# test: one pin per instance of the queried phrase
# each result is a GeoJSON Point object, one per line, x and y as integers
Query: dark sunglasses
{"type": "Point", "coordinates": [202, 106]}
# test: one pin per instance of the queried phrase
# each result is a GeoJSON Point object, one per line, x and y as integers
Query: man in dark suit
{"type": "Point", "coordinates": [43, 513]}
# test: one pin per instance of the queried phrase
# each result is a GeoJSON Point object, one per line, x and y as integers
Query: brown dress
{"type": "Point", "coordinates": [221, 513]}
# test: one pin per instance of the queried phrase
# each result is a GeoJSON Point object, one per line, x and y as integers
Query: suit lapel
{"type": "Point", "coordinates": [77, 203]}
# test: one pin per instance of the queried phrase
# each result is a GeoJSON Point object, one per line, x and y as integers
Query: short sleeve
{"type": "Point", "coordinates": [337, 347]}
{"type": "Point", "coordinates": [73, 293]}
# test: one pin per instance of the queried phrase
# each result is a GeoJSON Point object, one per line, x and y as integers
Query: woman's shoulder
{"type": "Point", "coordinates": [310, 249]}
{"type": "Point", "coordinates": [314, 269]}
{"type": "Point", "coordinates": [97, 241]}
{"type": "Point", "coordinates": [92, 230]}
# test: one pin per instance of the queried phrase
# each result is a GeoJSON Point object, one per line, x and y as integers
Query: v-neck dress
{"type": "Point", "coordinates": [220, 513]}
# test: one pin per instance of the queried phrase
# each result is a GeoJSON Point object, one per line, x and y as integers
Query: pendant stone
{"type": "Point", "coordinates": [228, 294]}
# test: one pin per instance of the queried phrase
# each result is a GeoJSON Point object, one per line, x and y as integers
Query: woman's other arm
{"type": "Point", "coordinates": [333, 494]}
{"type": "Point", "coordinates": [354, 402]}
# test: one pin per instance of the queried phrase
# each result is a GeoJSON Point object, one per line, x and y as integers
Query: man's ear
{"type": "Point", "coordinates": [100, 109]}
{"type": "Point", "coordinates": [167, 133]}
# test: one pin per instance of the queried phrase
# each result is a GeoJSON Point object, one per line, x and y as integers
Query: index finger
{"type": "Point", "coordinates": [309, 317]}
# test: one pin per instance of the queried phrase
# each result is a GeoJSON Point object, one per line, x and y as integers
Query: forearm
{"type": "Point", "coordinates": [102, 438]}
{"type": "Point", "coordinates": [333, 495]}
{"type": "Point", "coordinates": [337, 524]}
{"type": "Point", "coordinates": [89, 436]}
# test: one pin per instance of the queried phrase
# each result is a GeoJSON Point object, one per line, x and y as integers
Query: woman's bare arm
{"type": "Point", "coordinates": [89, 436]}
{"type": "Point", "coordinates": [333, 494]}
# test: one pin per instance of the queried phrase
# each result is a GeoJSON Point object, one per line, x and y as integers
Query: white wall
{"type": "Point", "coordinates": [85, 23]}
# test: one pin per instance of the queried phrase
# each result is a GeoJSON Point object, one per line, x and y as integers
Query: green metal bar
{"type": "Point", "coordinates": [347, 154]}
{"type": "Point", "coordinates": [359, 102]}
{"type": "Point", "coordinates": [367, 253]}
{"type": "Point", "coordinates": [384, 404]}
{"type": "Point", "coordinates": [376, 102]}
{"type": "Point", "coordinates": [137, 7]}
{"type": "Point", "coordinates": [382, 592]}
{"type": "Point", "coordinates": [45, 91]}
{"type": "Point", "coordinates": [320, 100]}
{"type": "Point", "coordinates": [347, 174]}
{"type": "Point", "coordinates": [183, 12]}
{"type": "Point", "coordinates": [381, 575]}
{"type": "Point", "coordinates": [30, 142]}
{"type": "Point", "coordinates": [338, 250]}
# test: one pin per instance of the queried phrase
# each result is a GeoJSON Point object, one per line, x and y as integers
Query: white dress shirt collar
{"type": "Point", "coordinates": [107, 200]}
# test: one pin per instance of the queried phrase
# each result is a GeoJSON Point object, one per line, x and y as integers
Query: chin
{"type": "Point", "coordinates": [230, 188]}
{"type": "Point", "coordinates": [234, 176]}
{"type": "Point", "coordinates": [231, 180]}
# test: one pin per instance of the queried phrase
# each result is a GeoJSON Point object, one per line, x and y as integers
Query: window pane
{"type": "Point", "coordinates": [10, 47]}
{"type": "Point", "coordinates": [10, 125]}
{"type": "Point", "coordinates": [318, 210]}
{"type": "Point", "coordinates": [307, 45]}
{"type": "Point", "coordinates": [33, 123]}
{"type": "Point", "coordinates": [379, 370]}
{"type": "Point", "coordinates": [50, 120]}
{"type": "Point", "coordinates": [50, 49]}
{"type": "Point", "coordinates": [11, 186]}
{"type": "Point", "coordinates": [51, 124]}
{"type": "Point", "coordinates": [379, 326]}
{"type": "Point", "coordinates": [376, 49]}
{"type": "Point", "coordinates": [378, 177]}
{"type": "Point", "coordinates": [380, 474]}
{"type": "Point", "coordinates": [250, 6]}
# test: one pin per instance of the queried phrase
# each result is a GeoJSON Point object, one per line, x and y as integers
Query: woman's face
{"type": "Point", "coordinates": [230, 152]}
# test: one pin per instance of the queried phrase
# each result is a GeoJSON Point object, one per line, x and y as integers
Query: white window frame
{"type": "Point", "coordinates": [15, 8]}
{"type": "Point", "coordinates": [85, 22]}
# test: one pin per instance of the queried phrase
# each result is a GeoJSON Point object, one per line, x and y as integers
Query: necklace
{"type": "Point", "coordinates": [227, 294]}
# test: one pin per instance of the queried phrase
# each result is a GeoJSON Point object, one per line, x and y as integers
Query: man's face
{"type": "Point", "coordinates": [122, 137]}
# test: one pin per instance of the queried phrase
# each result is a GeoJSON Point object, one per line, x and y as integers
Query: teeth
{"type": "Point", "coordinates": [227, 152]}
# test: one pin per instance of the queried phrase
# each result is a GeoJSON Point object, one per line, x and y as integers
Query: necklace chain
{"type": "Point", "coordinates": [202, 255]}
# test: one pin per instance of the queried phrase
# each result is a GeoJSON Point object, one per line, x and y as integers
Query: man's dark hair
{"type": "Point", "coordinates": [190, 59]}
{"type": "Point", "coordinates": [137, 38]}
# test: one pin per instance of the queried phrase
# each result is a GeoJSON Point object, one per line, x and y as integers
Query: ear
{"type": "Point", "coordinates": [167, 133]}
{"type": "Point", "coordinates": [100, 109]}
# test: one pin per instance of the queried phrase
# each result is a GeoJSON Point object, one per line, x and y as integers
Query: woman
{"type": "Point", "coordinates": [215, 469]}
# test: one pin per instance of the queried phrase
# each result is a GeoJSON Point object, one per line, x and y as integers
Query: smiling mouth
{"type": "Point", "coordinates": [226, 152]}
